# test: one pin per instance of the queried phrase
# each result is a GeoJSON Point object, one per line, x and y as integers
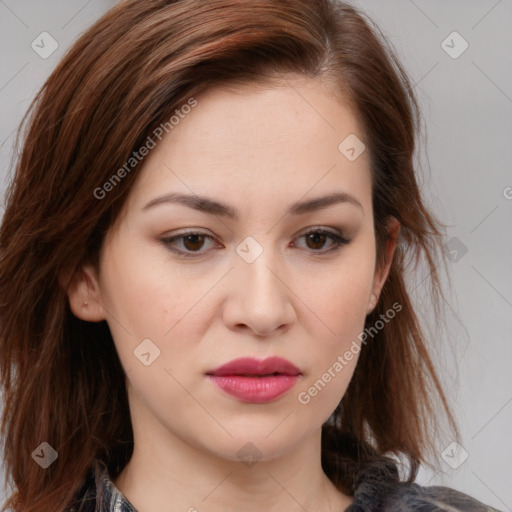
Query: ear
{"type": "Point", "coordinates": [84, 295]}
{"type": "Point", "coordinates": [381, 273]}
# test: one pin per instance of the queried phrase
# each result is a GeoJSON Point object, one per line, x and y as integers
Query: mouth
{"type": "Point", "coordinates": [255, 381]}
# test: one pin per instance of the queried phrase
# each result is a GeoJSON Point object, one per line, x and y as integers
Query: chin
{"type": "Point", "coordinates": [249, 447]}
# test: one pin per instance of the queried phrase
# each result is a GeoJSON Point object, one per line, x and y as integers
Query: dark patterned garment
{"type": "Point", "coordinates": [99, 494]}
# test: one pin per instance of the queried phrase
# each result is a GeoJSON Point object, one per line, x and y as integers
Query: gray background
{"type": "Point", "coordinates": [466, 175]}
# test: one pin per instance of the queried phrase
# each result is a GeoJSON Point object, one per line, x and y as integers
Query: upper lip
{"type": "Point", "coordinates": [252, 366]}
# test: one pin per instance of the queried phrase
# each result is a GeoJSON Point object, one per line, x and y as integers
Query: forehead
{"type": "Point", "coordinates": [281, 141]}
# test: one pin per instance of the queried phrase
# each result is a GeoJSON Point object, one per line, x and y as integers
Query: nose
{"type": "Point", "coordinates": [260, 298]}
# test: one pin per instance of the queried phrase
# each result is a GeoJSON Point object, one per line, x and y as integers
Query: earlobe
{"type": "Point", "coordinates": [382, 272]}
{"type": "Point", "coordinates": [84, 295]}
{"type": "Point", "coordinates": [371, 304]}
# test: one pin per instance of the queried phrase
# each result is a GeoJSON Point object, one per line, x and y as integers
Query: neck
{"type": "Point", "coordinates": [167, 472]}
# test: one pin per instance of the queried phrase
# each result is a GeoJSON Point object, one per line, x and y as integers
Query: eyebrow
{"type": "Point", "coordinates": [213, 207]}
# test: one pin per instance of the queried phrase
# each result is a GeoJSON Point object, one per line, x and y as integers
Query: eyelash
{"type": "Point", "coordinates": [340, 241]}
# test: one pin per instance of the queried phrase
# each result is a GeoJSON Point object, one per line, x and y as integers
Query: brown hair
{"type": "Point", "coordinates": [63, 382]}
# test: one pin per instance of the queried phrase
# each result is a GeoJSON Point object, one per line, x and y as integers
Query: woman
{"type": "Point", "coordinates": [202, 270]}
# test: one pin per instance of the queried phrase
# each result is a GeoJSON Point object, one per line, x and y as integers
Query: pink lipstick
{"type": "Point", "coordinates": [256, 381]}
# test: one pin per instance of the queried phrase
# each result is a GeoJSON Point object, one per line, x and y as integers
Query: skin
{"type": "Point", "coordinates": [258, 150]}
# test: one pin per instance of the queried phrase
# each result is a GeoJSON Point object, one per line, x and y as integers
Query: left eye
{"type": "Point", "coordinates": [194, 241]}
{"type": "Point", "coordinates": [318, 237]}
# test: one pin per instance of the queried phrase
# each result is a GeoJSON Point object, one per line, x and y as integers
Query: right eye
{"type": "Point", "coordinates": [192, 241]}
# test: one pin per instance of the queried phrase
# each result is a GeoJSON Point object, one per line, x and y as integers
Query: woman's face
{"type": "Point", "coordinates": [256, 285]}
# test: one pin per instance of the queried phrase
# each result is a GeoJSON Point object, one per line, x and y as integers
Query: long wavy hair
{"type": "Point", "coordinates": [126, 75]}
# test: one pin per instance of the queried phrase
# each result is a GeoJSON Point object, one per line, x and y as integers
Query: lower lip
{"type": "Point", "coordinates": [256, 390]}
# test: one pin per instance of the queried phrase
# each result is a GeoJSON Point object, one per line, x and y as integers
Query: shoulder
{"type": "Point", "coordinates": [403, 497]}
{"type": "Point", "coordinates": [379, 490]}
{"type": "Point", "coordinates": [99, 494]}
{"type": "Point", "coordinates": [435, 498]}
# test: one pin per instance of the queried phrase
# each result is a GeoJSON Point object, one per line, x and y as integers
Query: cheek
{"type": "Point", "coordinates": [344, 299]}
{"type": "Point", "coordinates": [342, 307]}
{"type": "Point", "coordinates": [146, 300]}
{"type": "Point", "coordinates": [145, 297]}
